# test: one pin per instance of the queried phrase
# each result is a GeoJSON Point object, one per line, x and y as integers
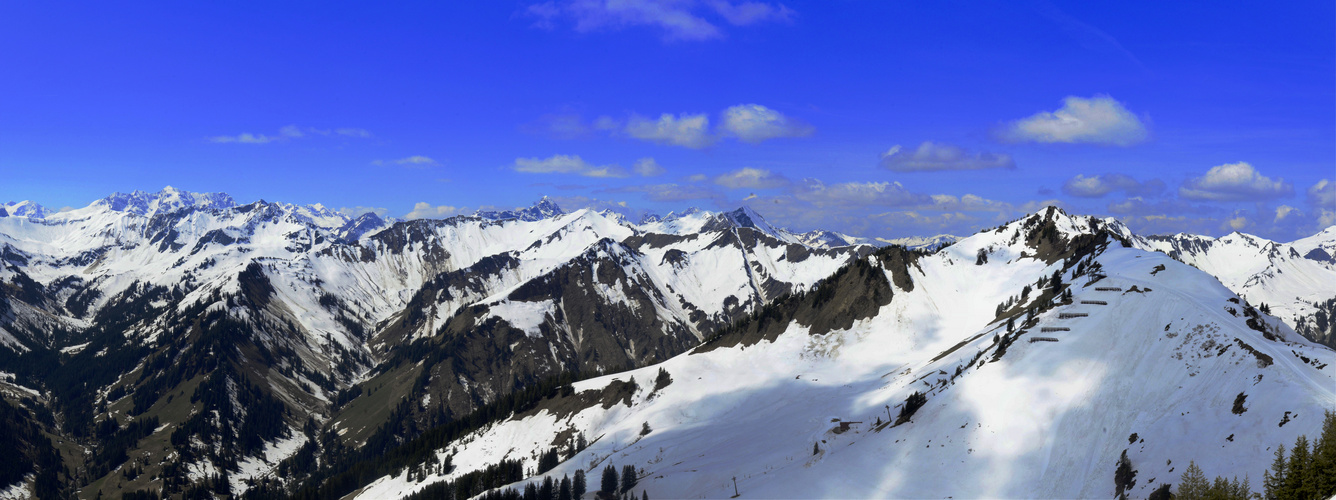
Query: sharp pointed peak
{"type": "Point", "coordinates": [168, 199]}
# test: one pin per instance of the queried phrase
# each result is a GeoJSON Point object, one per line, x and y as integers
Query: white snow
{"type": "Point", "coordinates": [527, 316]}
{"type": "Point", "coordinates": [1047, 420]}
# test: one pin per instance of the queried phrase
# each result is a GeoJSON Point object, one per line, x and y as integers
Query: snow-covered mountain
{"type": "Point", "coordinates": [272, 313]}
{"type": "Point", "coordinates": [1294, 280]}
{"type": "Point", "coordinates": [1045, 350]}
{"type": "Point", "coordinates": [23, 209]}
{"type": "Point", "coordinates": [923, 242]}
{"type": "Point", "coordinates": [179, 340]}
{"type": "Point", "coordinates": [543, 209]}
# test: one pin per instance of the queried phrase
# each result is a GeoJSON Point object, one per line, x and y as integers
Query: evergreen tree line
{"type": "Point", "coordinates": [1306, 473]}
{"type": "Point", "coordinates": [476, 482]}
{"type": "Point", "coordinates": [384, 453]}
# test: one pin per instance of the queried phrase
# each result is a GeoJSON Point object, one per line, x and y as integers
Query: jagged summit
{"type": "Point", "coordinates": [544, 208]}
{"type": "Point", "coordinates": [744, 216]}
{"type": "Point", "coordinates": [922, 242]}
{"type": "Point", "coordinates": [26, 208]}
{"type": "Point", "coordinates": [168, 200]}
{"type": "Point", "coordinates": [362, 224]}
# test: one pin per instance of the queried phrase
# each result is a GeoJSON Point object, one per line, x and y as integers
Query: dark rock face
{"type": "Point", "coordinates": [227, 359]}
{"type": "Point", "coordinates": [476, 356]}
{"type": "Point", "coordinates": [1319, 255]}
{"type": "Point", "coordinates": [855, 292]}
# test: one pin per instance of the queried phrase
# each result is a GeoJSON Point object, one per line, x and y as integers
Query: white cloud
{"type": "Point", "coordinates": [680, 20]}
{"type": "Point", "coordinates": [671, 192]}
{"type": "Point", "coordinates": [647, 167]}
{"type": "Point", "coordinates": [418, 161]}
{"type": "Point", "coordinates": [697, 177]}
{"type": "Point", "coordinates": [857, 194]}
{"type": "Point", "coordinates": [1282, 212]}
{"type": "Point", "coordinates": [359, 210]}
{"type": "Point", "coordinates": [751, 123]}
{"type": "Point", "coordinates": [559, 126]}
{"type": "Point", "coordinates": [745, 13]}
{"type": "Point", "coordinates": [1097, 120]}
{"type": "Point", "coordinates": [285, 133]}
{"type": "Point", "coordinates": [1326, 218]}
{"type": "Point", "coordinates": [930, 157]}
{"type": "Point", "coordinates": [1097, 186]}
{"type": "Point", "coordinates": [751, 178]}
{"type": "Point", "coordinates": [567, 164]}
{"type": "Point", "coordinates": [755, 123]}
{"type": "Point", "coordinates": [353, 132]}
{"type": "Point", "coordinates": [1234, 182]}
{"type": "Point", "coordinates": [1323, 194]}
{"type": "Point", "coordinates": [424, 210]}
{"type": "Point", "coordinates": [692, 131]}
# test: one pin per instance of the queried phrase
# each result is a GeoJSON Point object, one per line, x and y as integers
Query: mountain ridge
{"type": "Point", "coordinates": [378, 331]}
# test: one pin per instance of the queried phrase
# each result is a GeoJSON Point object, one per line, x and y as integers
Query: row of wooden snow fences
{"type": "Point", "coordinates": [1095, 302]}
{"type": "Point", "coordinates": [1042, 339]}
{"type": "Point", "coordinates": [1047, 329]}
{"type": "Point", "coordinates": [1072, 315]}
{"type": "Point", "coordinates": [1108, 289]}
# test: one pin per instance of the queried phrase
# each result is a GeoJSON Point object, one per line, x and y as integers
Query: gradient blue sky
{"type": "Point", "coordinates": [1172, 117]}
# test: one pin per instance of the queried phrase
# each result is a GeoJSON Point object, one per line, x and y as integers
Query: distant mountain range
{"type": "Point", "coordinates": [180, 343]}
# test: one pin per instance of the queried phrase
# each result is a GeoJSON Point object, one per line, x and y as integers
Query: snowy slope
{"type": "Point", "coordinates": [312, 302]}
{"type": "Point", "coordinates": [1044, 420]}
{"type": "Point", "coordinates": [923, 242]}
{"type": "Point", "coordinates": [1293, 279]}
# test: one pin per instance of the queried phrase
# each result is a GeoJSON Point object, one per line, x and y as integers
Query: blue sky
{"type": "Point", "coordinates": [875, 118]}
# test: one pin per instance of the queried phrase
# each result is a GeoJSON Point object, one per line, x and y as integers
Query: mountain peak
{"type": "Point", "coordinates": [744, 216]}
{"type": "Point", "coordinates": [544, 208]}
{"type": "Point", "coordinates": [168, 200]}
{"type": "Point", "coordinates": [26, 208]}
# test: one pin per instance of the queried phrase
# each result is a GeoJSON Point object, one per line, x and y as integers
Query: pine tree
{"type": "Point", "coordinates": [578, 486]}
{"type": "Point", "coordinates": [629, 478]}
{"type": "Point", "coordinates": [1243, 491]}
{"type": "Point", "coordinates": [1324, 456]}
{"type": "Point", "coordinates": [608, 484]}
{"type": "Point", "coordinates": [564, 492]}
{"type": "Point", "coordinates": [1301, 483]}
{"type": "Point", "coordinates": [530, 492]}
{"type": "Point", "coordinates": [548, 490]}
{"type": "Point", "coordinates": [816, 448]}
{"type": "Point", "coordinates": [1193, 485]}
{"type": "Point", "coordinates": [1274, 480]}
{"type": "Point", "coordinates": [644, 495]}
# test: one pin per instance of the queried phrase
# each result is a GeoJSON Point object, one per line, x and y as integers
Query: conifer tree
{"type": "Point", "coordinates": [629, 478]}
{"type": "Point", "coordinates": [578, 486]}
{"type": "Point", "coordinates": [1324, 456]}
{"type": "Point", "coordinates": [608, 484]}
{"type": "Point", "coordinates": [564, 492]}
{"type": "Point", "coordinates": [1192, 485]}
{"type": "Point", "coordinates": [1300, 483]}
{"type": "Point", "coordinates": [1275, 480]}
{"type": "Point", "coordinates": [548, 490]}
